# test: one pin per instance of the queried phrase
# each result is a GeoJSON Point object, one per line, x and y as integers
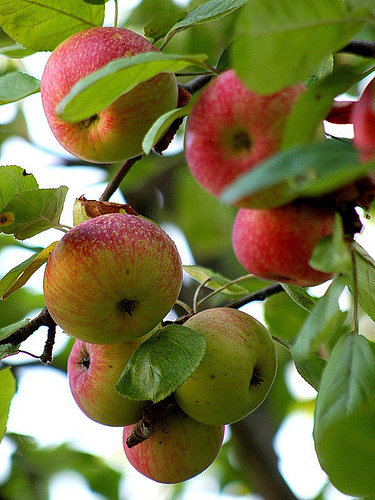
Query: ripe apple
{"type": "Point", "coordinates": [178, 450]}
{"type": "Point", "coordinates": [112, 278]}
{"type": "Point", "coordinates": [115, 133]}
{"type": "Point", "coordinates": [231, 129]}
{"type": "Point", "coordinates": [93, 370]}
{"type": "Point", "coordinates": [236, 372]}
{"type": "Point", "coordinates": [277, 243]}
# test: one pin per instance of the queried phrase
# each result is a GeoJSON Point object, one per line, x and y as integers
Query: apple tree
{"type": "Point", "coordinates": [227, 121]}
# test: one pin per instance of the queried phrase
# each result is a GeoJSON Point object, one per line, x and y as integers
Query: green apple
{"type": "Point", "coordinates": [93, 370]}
{"type": "Point", "coordinates": [112, 279]}
{"type": "Point", "coordinates": [236, 372]}
{"type": "Point", "coordinates": [178, 450]}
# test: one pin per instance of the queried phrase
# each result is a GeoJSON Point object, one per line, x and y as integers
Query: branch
{"type": "Point", "coordinates": [118, 178]}
{"type": "Point", "coordinates": [43, 319]}
{"type": "Point", "coordinates": [360, 48]}
{"type": "Point", "coordinates": [258, 295]}
{"type": "Point", "coordinates": [197, 83]}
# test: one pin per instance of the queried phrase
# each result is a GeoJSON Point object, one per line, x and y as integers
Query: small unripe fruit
{"type": "Point", "coordinates": [112, 278]}
{"type": "Point", "coordinates": [237, 370]}
{"type": "Point", "coordinates": [277, 244]}
{"type": "Point", "coordinates": [115, 133]}
{"type": "Point", "coordinates": [231, 129]}
{"type": "Point", "coordinates": [178, 450]}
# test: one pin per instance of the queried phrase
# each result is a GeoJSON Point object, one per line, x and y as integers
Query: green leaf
{"type": "Point", "coordinates": [284, 318]}
{"type": "Point", "coordinates": [314, 104]}
{"type": "Point", "coordinates": [15, 51]}
{"type": "Point", "coordinates": [208, 11]}
{"type": "Point", "coordinates": [101, 88]}
{"type": "Point", "coordinates": [293, 37]}
{"type": "Point", "coordinates": [300, 296]}
{"type": "Point", "coordinates": [20, 274]}
{"type": "Point", "coordinates": [365, 269]}
{"type": "Point", "coordinates": [43, 24]}
{"type": "Point", "coordinates": [8, 330]}
{"type": "Point", "coordinates": [7, 390]}
{"type": "Point", "coordinates": [217, 280]}
{"type": "Point", "coordinates": [331, 254]}
{"type": "Point", "coordinates": [33, 211]}
{"type": "Point", "coordinates": [162, 124]}
{"type": "Point", "coordinates": [344, 429]}
{"type": "Point", "coordinates": [8, 350]}
{"type": "Point", "coordinates": [14, 180]}
{"type": "Point", "coordinates": [324, 321]}
{"type": "Point", "coordinates": [302, 171]}
{"type": "Point", "coordinates": [16, 85]}
{"type": "Point", "coordinates": [311, 369]}
{"type": "Point", "coordinates": [162, 363]}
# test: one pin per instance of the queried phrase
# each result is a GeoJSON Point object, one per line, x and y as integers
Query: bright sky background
{"type": "Point", "coordinates": [44, 407]}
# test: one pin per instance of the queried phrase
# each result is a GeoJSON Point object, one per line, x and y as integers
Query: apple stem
{"type": "Point", "coordinates": [196, 294]}
{"type": "Point", "coordinates": [355, 319]}
{"type": "Point", "coordinates": [116, 14]}
{"type": "Point", "coordinates": [118, 178]}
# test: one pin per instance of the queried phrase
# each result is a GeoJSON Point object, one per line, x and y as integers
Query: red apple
{"type": "Point", "coordinates": [93, 371]}
{"type": "Point", "coordinates": [277, 243]}
{"type": "Point", "coordinates": [115, 133]}
{"type": "Point", "coordinates": [363, 117]}
{"type": "Point", "coordinates": [231, 129]}
{"type": "Point", "coordinates": [237, 370]}
{"type": "Point", "coordinates": [178, 450]}
{"type": "Point", "coordinates": [112, 278]}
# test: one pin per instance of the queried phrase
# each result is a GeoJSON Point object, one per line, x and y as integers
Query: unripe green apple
{"type": "Point", "coordinates": [115, 133]}
{"type": "Point", "coordinates": [178, 450]}
{"type": "Point", "coordinates": [277, 243]}
{"type": "Point", "coordinates": [231, 129]}
{"type": "Point", "coordinates": [93, 370]}
{"type": "Point", "coordinates": [112, 278]}
{"type": "Point", "coordinates": [236, 372]}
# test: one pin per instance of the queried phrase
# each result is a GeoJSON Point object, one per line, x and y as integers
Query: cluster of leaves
{"type": "Point", "coordinates": [256, 38]}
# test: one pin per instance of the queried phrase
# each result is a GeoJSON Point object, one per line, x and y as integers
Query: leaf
{"type": "Point", "coordinates": [312, 31]}
{"type": "Point", "coordinates": [15, 51]}
{"type": "Point", "coordinates": [162, 363]}
{"type": "Point", "coordinates": [43, 24]}
{"type": "Point", "coordinates": [14, 180]}
{"type": "Point", "coordinates": [16, 85]}
{"type": "Point", "coordinates": [216, 280]}
{"type": "Point", "coordinates": [101, 88]}
{"type": "Point", "coordinates": [311, 369]}
{"type": "Point", "coordinates": [7, 390]}
{"type": "Point", "coordinates": [302, 171]}
{"type": "Point", "coordinates": [208, 11]}
{"type": "Point", "coordinates": [162, 124]}
{"type": "Point", "coordinates": [314, 104]}
{"type": "Point", "coordinates": [324, 321]}
{"type": "Point", "coordinates": [331, 254]}
{"type": "Point", "coordinates": [344, 429]}
{"type": "Point", "coordinates": [284, 318]}
{"type": "Point", "coordinates": [8, 330]}
{"type": "Point", "coordinates": [300, 296]}
{"type": "Point", "coordinates": [8, 350]}
{"type": "Point", "coordinates": [365, 269]}
{"type": "Point", "coordinates": [20, 274]}
{"type": "Point", "coordinates": [33, 211]}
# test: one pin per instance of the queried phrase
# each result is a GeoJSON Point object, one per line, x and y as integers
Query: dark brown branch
{"type": "Point", "coordinates": [258, 295]}
{"type": "Point", "coordinates": [360, 48]}
{"type": "Point", "coordinates": [46, 356]}
{"type": "Point", "coordinates": [115, 182]}
{"type": "Point", "coordinates": [23, 333]}
{"type": "Point", "coordinates": [197, 83]}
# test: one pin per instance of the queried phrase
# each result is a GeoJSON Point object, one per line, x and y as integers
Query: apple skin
{"type": "Point", "coordinates": [363, 118]}
{"type": "Point", "coordinates": [93, 370]}
{"type": "Point", "coordinates": [115, 133]}
{"type": "Point", "coordinates": [277, 243]}
{"type": "Point", "coordinates": [231, 129]}
{"type": "Point", "coordinates": [112, 278]}
{"type": "Point", "coordinates": [178, 450]}
{"type": "Point", "coordinates": [236, 372]}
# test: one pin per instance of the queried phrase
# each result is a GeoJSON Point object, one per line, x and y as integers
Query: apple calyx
{"type": "Point", "coordinates": [153, 416]}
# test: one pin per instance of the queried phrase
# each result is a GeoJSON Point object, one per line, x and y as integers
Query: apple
{"type": "Point", "coordinates": [93, 370]}
{"type": "Point", "coordinates": [237, 370]}
{"type": "Point", "coordinates": [363, 118]}
{"type": "Point", "coordinates": [277, 243]}
{"type": "Point", "coordinates": [115, 133]}
{"type": "Point", "coordinates": [178, 450]}
{"type": "Point", "coordinates": [231, 129]}
{"type": "Point", "coordinates": [112, 278]}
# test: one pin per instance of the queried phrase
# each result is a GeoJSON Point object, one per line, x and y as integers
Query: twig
{"type": "Point", "coordinates": [23, 333]}
{"type": "Point", "coordinates": [222, 288]}
{"type": "Point", "coordinates": [258, 295]}
{"type": "Point", "coordinates": [118, 178]}
{"type": "Point", "coordinates": [116, 14]}
{"type": "Point", "coordinates": [197, 83]}
{"type": "Point", "coordinates": [46, 356]}
{"type": "Point", "coordinates": [360, 48]}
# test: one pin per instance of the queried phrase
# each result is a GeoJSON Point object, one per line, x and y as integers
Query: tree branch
{"type": "Point", "coordinates": [262, 294]}
{"type": "Point", "coordinates": [43, 319]}
{"type": "Point", "coordinates": [115, 182]}
{"type": "Point", "coordinates": [360, 48]}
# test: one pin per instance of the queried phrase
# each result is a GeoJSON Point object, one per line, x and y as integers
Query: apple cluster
{"type": "Point", "coordinates": [230, 130]}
